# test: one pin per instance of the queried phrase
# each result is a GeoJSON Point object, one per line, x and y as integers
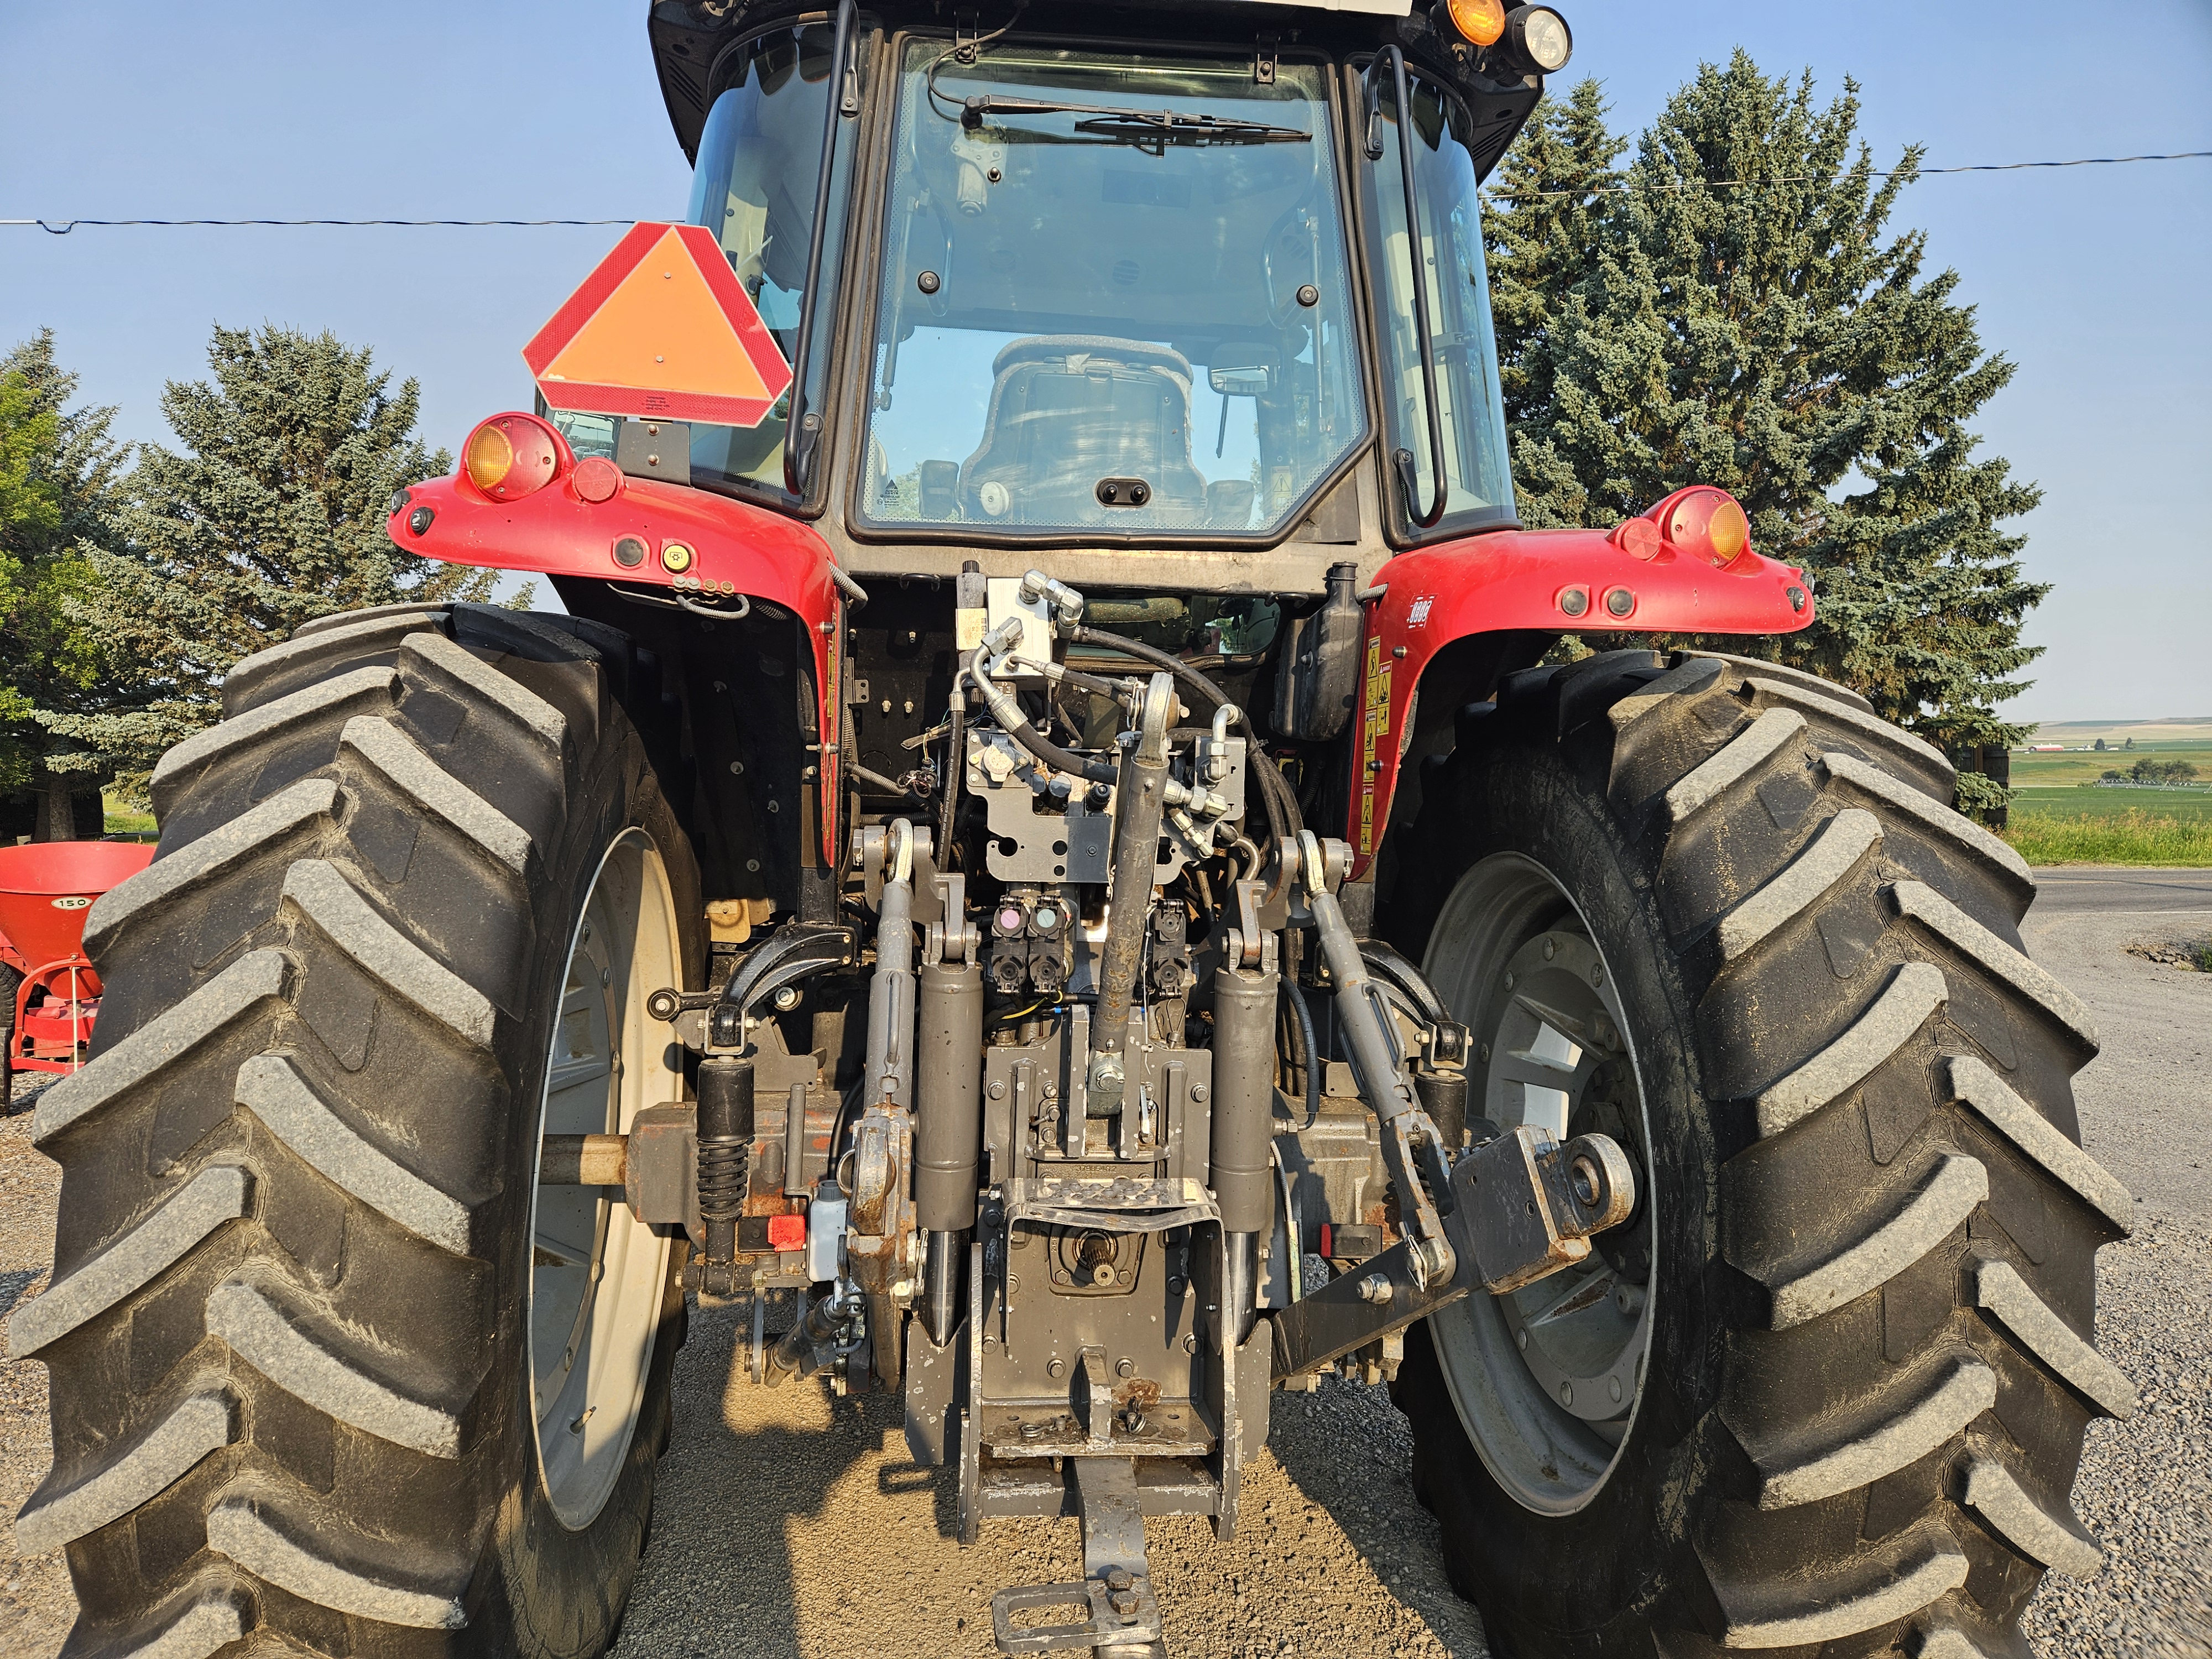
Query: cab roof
{"type": "Point", "coordinates": [689, 38]}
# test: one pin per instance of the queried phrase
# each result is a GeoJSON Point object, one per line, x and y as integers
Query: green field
{"type": "Point", "coordinates": [123, 821]}
{"type": "Point", "coordinates": [2076, 801]}
{"type": "Point", "coordinates": [2061, 816]}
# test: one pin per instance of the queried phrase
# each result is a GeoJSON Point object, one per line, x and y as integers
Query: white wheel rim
{"type": "Point", "coordinates": [1546, 1381]}
{"type": "Point", "coordinates": [597, 1273]}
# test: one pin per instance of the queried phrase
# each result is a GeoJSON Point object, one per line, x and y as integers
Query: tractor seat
{"type": "Point", "coordinates": [1070, 410]}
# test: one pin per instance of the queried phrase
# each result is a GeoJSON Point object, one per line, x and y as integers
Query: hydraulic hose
{"type": "Point", "coordinates": [956, 761]}
{"type": "Point", "coordinates": [1307, 1063]}
{"type": "Point", "coordinates": [1284, 822]}
{"type": "Point", "coordinates": [1008, 714]}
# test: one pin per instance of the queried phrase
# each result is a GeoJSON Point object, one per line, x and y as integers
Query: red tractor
{"type": "Point", "coordinates": [1083, 929]}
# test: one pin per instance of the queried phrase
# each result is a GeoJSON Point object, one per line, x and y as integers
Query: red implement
{"type": "Point", "coordinates": [46, 889]}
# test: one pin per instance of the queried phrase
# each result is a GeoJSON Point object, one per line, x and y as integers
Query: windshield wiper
{"type": "Point", "coordinates": [1141, 126]}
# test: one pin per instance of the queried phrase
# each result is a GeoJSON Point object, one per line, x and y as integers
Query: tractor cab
{"type": "Point", "coordinates": [1138, 285]}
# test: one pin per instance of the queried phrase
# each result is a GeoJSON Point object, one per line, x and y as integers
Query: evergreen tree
{"type": "Point", "coordinates": [1556, 183]}
{"type": "Point", "coordinates": [271, 516]}
{"type": "Point", "coordinates": [58, 474]}
{"type": "Point", "coordinates": [1771, 336]}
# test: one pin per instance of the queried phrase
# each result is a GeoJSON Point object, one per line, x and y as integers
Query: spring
{"type": "Point", "coordinates": [722, 1161]}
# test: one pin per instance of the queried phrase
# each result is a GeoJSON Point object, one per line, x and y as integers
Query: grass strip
{"type": "Point", "coordinates": [2131, 838]}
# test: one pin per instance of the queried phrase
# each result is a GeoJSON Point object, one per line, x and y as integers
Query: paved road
{"type": "Point", "coordinates": [2116, 890]}
{"type": "Point", "coordinates": [2145, 1101]}
{"type": "Point", "coordinates": [791, 1524]}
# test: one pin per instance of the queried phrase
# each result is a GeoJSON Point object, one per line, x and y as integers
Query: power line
{"type": "Point", "coordinates": [63, 227]}
{"type": "Point", "coordinates": [1676, 187]}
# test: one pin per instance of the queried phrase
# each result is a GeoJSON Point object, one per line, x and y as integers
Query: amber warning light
{"type": "Point", "coordinates": [1701, 522]}
{"type": "Point", "coordinates": [509, 456]}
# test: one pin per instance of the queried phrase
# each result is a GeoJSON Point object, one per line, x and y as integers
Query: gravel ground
{"type": "Point", "coordinates": [2146, 1103]}
{"type": "Point", "coordinates": [790, 1523]}
{"type": "Point", "coordinates": [36, 1605]}
{"type": "Point", "coordinates": [799, 1526]}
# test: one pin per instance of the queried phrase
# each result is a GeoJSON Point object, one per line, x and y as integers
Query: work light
{"type": "Point", "coordinates": [1537, 38]}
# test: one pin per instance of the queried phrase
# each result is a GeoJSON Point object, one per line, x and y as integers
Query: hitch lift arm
{"type": "Point", "coordinates": [1508, 1212]}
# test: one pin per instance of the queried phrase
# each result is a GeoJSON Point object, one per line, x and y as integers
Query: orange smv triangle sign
{"type": "Point", "coordinates": [662, 328]}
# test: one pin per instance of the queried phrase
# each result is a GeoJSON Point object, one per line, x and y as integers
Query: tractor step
{"type": "Point", "coordinates": [1124, 1616]}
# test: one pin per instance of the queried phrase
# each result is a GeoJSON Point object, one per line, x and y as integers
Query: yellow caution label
{"type": "Point", "coordinates": [1374, 725]}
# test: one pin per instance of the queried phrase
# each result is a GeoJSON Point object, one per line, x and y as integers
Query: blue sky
{"type": "Point", "coordinates": [2093, 280]}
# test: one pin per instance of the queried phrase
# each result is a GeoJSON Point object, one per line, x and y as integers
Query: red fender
{"type": "Point", "coordinates": [561, 530]}
{"type": "Point", "coordinates": [1558, 581]}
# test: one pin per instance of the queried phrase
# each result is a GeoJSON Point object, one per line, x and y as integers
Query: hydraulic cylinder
{"type": "Point", "coordinates": [1243, 1105]}
{"type": "Point", "coordinates": [948, 1129]}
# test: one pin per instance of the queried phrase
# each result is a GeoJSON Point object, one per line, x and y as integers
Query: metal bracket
{"type": "Point", "coordinates": [1107, 1627]}
{"type": "Point", "coordinates": [941, 907]}
{"type": "Point", "coordinates": [798, 950]}
{"type": "Point", "coordinates": [1521, 1207]}
{"type": "Point", "coordinates": [1249, 940]}
{"type": "Point", "coordinates": [883, 1242]}
{"type": "Point", "coordinates": [1125, 1616]}
{"type": "Point", "coordinates": [1115, 1203]}
{"type": "Point", "coordinates": [1534, 1204]}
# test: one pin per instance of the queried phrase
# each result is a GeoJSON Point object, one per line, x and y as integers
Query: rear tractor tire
{"type": "Point", "coordinates": [1824, 1393]}
{"type": "Point", "coordinates": [329, 1370]}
